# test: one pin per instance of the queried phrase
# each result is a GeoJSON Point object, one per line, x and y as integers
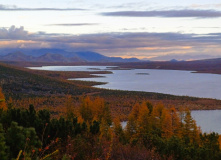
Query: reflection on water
{"type": "Point", "coordinates": [73, 68]}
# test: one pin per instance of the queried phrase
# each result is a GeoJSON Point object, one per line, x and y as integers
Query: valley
{"type": "Point", "coordinates": [24, 84]}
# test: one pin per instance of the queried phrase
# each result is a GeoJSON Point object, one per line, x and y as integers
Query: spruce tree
{"type": "Point", "coordinates": [3, 147]}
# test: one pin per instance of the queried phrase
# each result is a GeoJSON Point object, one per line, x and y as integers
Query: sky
{"type": "Point", "coordinates": [150, 29]}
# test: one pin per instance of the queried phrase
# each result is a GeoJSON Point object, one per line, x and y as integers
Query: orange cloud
{"type": "Point", "coordinates": [23, 44]}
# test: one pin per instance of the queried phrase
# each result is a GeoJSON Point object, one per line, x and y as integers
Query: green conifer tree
{"type": "Point", "coordinates": [3, 147]}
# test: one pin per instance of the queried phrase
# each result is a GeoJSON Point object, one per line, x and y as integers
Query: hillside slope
{"type": "Point", "coordinates": [58, 55]}
{"type": "Point", "coordinates": [21, 83]}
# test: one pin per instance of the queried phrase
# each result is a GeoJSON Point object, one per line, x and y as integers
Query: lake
{"type": "Point", "coordinates": [208, 120]}
{"type": "Point", "coordinates": [173, 82]}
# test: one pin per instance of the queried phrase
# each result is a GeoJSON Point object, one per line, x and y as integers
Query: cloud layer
{"type": "Point", "coordinates": [13, 33]}
{"type": "Point", "coordinates": [141, 45]}
{"type": "Point", "coordinates": [15, 8]}
{"type": "Point", "coordinates": [74, 24]}
{"type": "Point", "coordinates": [167, 13]}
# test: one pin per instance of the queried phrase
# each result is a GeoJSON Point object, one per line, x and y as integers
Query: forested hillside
{"type": "Point", "coordinates": [45, 116]}
{"type": "Point", "coordinates": [90, 132]}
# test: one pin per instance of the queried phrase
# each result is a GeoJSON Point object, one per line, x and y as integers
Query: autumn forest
{"type": "Point", "coordinates": [45, 116]}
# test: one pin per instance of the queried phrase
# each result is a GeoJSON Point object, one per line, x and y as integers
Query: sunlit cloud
{"type": "Point", "coordinates": [19, 44]}
{"type": "Point", "coordinates": [206, 5]}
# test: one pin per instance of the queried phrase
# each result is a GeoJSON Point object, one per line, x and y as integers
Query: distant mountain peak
{"type": "Point", "coordinates": [17, 56]}
{"type": "Point", "coordinates": [59, 55]}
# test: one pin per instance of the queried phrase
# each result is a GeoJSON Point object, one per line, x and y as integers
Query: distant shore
{"type": "Point", "coordinates": [201, 66]}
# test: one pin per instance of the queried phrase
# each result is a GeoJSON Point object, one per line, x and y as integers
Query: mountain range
{"type": "Point", "coordinates": [58, 55]}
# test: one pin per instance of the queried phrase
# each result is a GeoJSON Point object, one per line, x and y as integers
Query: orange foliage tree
{"type": "Point", "coordinates": [162, 121]}
{"type": "Point", "coordinates": [2, 100]}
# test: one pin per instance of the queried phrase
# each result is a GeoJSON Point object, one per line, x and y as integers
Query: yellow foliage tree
{"type": "Point", "coordinates": [117, 127]}
{"type": "Point", "coordinates": [190, 128]}
{"type": "Point", "coordinates": [105, 131]}
{"type": "Point", "coordinates": [167, 129]}
{"type": "Point", "coordinates": [156, 116]}
{"type": "Point", "coordinates": [98, 107]}
{"type": "Point", "coordinates": [10, 103]}
{"type": "Point", "coordinates": [143, 120]}
{"type": "Point", "coordinates": [69, 108]}
{"type": "Point", "coordinates": [86, 109]}
{"type": "Point", "coordinates": [138, 123]}
{"type": "Point", "coordinates": [176, 123]}
{"type": "Point", "coordinates": [132, 126]}
{"type": "Point", "coordinates": [2, 100]}
{"type": "Point", "coordinates": [219, 141]}
{"type": "Point", "coordinates": [135, 111]}
{"type": "Point", "coordinates": [101, 111]}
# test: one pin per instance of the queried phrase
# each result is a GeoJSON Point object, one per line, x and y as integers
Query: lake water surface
{"type": "Point", "coordinates": [173, 82]}
{"type": "Point", "coordinates": [208, 120]}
